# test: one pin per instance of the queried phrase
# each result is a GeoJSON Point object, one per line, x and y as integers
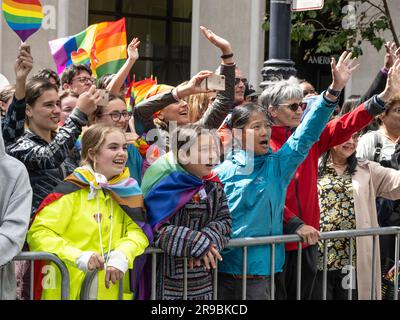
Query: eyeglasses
{"type": "Point", "coordinates": [84, 80]}
{"type": "Point", "coordinates": [237, 81]}
{"type": "Point", "coordinates": [295, 106]}
{"type": "Point", "coordinates": [116, 116]}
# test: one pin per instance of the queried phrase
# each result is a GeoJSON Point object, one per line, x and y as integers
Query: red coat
{"type": "Point", "coordinates": [302, 194]}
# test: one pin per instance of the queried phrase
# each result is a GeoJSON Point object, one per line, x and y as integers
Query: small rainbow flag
{"type": "Point", "coordinates": [23, 16]}
{"type": "Point", "coordinates": [80, 57]}
{"type": "Point", "coordinates": [104, 44]}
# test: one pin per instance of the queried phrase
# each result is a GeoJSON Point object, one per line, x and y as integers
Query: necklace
{"type": "Point", "coordinates": [99, 229]}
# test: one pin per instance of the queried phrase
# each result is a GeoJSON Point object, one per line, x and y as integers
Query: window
{"type": "Point", "coordinates": [164, 28]}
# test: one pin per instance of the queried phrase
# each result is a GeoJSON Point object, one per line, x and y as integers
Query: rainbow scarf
{"type": "Point", "coordinates": [167, 187]}
{"type": "Point", "coordinates": [23, 16]}
{"type": "Point", "coordinates": [122, 185]}
{"type": "Point", "coordinates": [103, 44]}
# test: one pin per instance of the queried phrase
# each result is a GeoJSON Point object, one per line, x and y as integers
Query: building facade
{"type": "Point", "coordinates": [172, 46]}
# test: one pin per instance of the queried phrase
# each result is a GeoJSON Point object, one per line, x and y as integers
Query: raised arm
{"type": "Point", "coordinates": [39, 157]}
{"type": "Point", "coordinates": [118, 80]}
{"type": "Point", "coordinates": [378, 85]}
{"type": "Point", "coordinates": [14, 121]}
{"type": "Point", "coordinates": [222, 105]}
{"type": "Point", "coordinates": [296, 149]}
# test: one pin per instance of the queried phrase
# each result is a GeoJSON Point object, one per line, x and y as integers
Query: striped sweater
{"type": "Point", "coordinates": [190, 233]}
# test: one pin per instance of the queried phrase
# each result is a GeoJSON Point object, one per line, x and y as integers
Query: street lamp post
{"type": "Point", "coordinates": [279, 63]}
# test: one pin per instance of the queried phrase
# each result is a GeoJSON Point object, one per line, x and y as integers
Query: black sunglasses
{"type": "Point", "coordinates": [295, 106]}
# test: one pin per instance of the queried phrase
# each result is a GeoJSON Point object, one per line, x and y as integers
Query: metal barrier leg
{"type": "Point", "coordinates": [396, 268]}
{"type": "Point", "coordinates": [31, 280]}
{"type": "Point", "coordinates": [153, 275]}
{"type": "Point", "coordinates": [298, 278]}
{"type": "Point", "coordinates": [185, 289]}
{"type": "Point", "coordinates": [325, 274]}
{"type": "Point", "coordinates": [215, 281]}
{"type": "Point", "coordinates": [350, 292]}
{"type": "Point", "coordinates": [244, 282]}
{"type": "Point", "coordinates": [373, 283]}
{"type": "Point", "coordinates": [272, 271]}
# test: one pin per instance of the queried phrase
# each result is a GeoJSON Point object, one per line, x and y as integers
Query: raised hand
{"type": "Point", "coordinates": [133, 52]}
{"type": "Point", "coordinates": [392, 88]}
{"type": "Point", "coordinates": [342, 70]}
{"type": "Point", "coordinates": [87, 101]}
{"type": "Point", "coordinates": [24, 62]}
{"type": "Point", "coordinates": [193, 85]}
{"type": "Point", "coordinates": [217, 41]}
{"type": "Point", "coordinates": [392, 52]}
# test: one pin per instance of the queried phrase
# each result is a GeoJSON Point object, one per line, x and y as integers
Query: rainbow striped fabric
{"type": "Point", "coordinates": [23, 16]}
{"type": "Point", "coordinates": [167, 187]}
{"type": "Point", "coordinates": [103, 44]}
{"type": "Point", "coordinates": [138, 91]}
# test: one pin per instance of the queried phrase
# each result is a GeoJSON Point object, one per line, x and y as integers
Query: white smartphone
{"type": "Point", "coordinates": [214, 82]}
{"type": "Point", "coordinates": [104, 97]}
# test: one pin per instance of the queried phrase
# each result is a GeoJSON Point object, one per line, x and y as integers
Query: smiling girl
{"type": "Point", "coordinates": [94, 212]}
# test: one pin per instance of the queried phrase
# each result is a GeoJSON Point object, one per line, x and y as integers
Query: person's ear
{"type": "Point", "coordinates": [66, 86]}
{"type": "Point", "coordinates": [92, 155]}
{"type": "Point", "coordinates": [273, 111]}
{"type": "Point", "coordinates": [29, 111]}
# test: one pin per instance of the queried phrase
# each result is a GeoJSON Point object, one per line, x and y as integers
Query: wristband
{"type": "Point", "coordinates": [385, 71]}
{"type": "Point", "coordinates": [175, 94]}
{"type": "Point", "coordinates": [227, 56]}
{"type": "Point", "coordinates": [334, 93]}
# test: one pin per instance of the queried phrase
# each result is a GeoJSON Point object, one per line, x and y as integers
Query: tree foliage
{"type": "Point", "coordinates": [343, 24]}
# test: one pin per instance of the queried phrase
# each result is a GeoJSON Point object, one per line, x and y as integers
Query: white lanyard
{"type": "Point", "coordinates": [99, 226]}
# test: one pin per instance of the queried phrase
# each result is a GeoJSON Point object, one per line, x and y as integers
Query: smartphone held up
{"type": "Point", "coordinates": [214, 82]}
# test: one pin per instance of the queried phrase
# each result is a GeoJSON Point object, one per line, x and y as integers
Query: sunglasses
{"type": "Point", "coordinates": [295, 106]}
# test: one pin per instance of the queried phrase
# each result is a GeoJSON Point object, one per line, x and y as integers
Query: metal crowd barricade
{"type": "Point", "coordinates": [34, 256]}
{"type": "Point", "coordinates": [244, 243]}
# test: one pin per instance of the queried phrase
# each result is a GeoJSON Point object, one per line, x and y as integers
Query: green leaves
{"type": "Point", "coordinates": [340, 25]}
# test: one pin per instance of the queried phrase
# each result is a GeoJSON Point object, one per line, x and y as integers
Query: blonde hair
{"type": "Point", "coordinates": [198, 104]}
{"type": "Point", "coordinates": [93, 139]}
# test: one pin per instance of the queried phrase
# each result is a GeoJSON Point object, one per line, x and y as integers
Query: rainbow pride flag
{"type": "Point", "coordinates": [104, 44]}
{"type": "Point", "coordinates": [23, 16]}
{"type": "Point", "coordinates": [167, 187]}
{"type": "Point", "coordinates": [138, 91]}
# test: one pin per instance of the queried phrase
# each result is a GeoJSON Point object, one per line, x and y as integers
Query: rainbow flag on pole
{"type": "Point", "coordinates": [103, 44]}
{"type": "Point", "coordinates": [23, 16]}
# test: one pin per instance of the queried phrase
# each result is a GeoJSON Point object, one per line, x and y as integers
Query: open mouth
{"type": "Point", "coordinates": [119, 162]}
{"type": "Point", "coordinates": [183, 113]}
{"type": "Point", "coordinates": [55, 119]}
{"type": "Point", "coordinates": [264, 143]}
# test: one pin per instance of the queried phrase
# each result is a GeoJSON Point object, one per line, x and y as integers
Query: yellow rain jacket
{"type": "Point", "coordinates": [67, 227]}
